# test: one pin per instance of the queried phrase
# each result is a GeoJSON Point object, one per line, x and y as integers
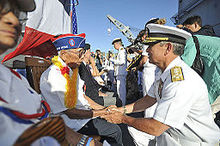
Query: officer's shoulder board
{"type": "Point", "coordinates": [176, 74]}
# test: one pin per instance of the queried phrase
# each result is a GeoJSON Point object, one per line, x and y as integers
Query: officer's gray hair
{"type": "Point", "coordinates": [178, 49]}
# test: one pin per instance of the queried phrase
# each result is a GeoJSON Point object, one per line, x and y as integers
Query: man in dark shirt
{"type": "Point", "coordinates": [193, 25]}
{"type": "Point", "coordinates": [92, 88]}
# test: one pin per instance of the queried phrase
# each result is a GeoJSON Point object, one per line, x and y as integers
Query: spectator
{"type": "Point", "coordinates": [209, 52]}
{"type": "Point", "coordinates": [91, 66]}
{"type": "Point", "coordinates": [110, 68]}
{"type": "Point", "coordinates": [193, 25]}
{"type": "Point", "coordinates": [183, 114]}
{"type": "Point", "coordinates": [92, 86]}
{"type": "Point", "coordinates": [63, 88]}
{"type": "Point", "coordinates": [98, 60]}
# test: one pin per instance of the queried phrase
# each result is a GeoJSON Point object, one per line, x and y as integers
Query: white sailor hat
{"type": "Point", "coordinates": [26, 5]}
{"type": "Point", "coordinates": [116, 40]}
{"type": "Point", "coordinates": [157, 33]}
{"type": "Point", "coordinates": [152, 20]}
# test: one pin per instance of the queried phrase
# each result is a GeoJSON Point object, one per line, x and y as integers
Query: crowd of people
{"type": "Point", "coordinates": [175, 72]}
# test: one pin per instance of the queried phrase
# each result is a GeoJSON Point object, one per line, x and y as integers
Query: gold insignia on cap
{"type": "Point", "coordinates": [176, 74]}
{"type": "Point", "coordinates": [154, 39]}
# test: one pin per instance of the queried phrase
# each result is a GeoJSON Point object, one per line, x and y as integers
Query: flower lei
{"type": "Point", "coordinates": [70, 98]}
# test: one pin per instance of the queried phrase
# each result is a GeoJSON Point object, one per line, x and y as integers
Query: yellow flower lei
{"type": "Point", "coordinates": [70, 98]}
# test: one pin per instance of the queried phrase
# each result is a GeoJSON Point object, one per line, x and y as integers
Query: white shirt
{"type": "Point", "coordinates": [184, 106]}
{"type": "Point", "coordinates": [53, 88]}
{"type": "Point", "coordinates": [145, 53]}
{"type": "Point", "coordinates": [121, 62]}
{"type": "Point", "coordinates": [20, 97]}
{"type": "Point", "coordinates": [109, 65]}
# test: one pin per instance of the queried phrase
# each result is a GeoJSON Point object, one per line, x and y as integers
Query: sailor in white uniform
{"type": "Point", "coordinates": [183, 114]}
{"type": "Point", "coordinates": [120, 69]}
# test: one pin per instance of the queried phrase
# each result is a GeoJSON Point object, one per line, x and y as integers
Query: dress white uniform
{"type": "Point", "coordinates": [53, 88]}
{"type": "Point", "coordinates": [19, 96]}
{"type": "Point", "coordinates": [120, 73]}
{"type": "Point", "coordinates": [183, 105]}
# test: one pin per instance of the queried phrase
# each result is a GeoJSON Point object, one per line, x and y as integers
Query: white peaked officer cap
{"type": "Point", "coordinates": [116, 40]}
{"type": "Point", "coordinates": [26, 5]}
{"type": "Point", "coordinates": [157, 33]}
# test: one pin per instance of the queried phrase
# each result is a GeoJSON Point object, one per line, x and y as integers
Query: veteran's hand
{"type": "Point", "coordinates": [115, 118]}
{"type": "Point", "coordinates": [111, 109]}
{"type": "Point", "coordinates": [100, 112]}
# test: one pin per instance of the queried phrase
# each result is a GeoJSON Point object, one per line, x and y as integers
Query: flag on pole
{"type": "Point", "coordinates": [50, 18]}
{"type": "Point", "coordinates": [73, 16]}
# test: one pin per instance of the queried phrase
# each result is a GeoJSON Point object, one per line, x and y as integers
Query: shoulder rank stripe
{"type": "Point", "coordinates": [176, 74]}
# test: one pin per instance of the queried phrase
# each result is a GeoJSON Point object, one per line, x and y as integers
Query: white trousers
{"type": "Point", "coordinates": [121, 88]}
{"type": "Point", "coordinates": [140, 138]}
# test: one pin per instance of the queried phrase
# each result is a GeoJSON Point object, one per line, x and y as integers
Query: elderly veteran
{"type": "Point", "coordinates": [183, 115]}
{"type": "Point", "coordinates": [21, 108]}
{"type": "Point", "coordinates": [64, 90]}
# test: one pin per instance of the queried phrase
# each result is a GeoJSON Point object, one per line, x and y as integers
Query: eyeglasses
{"type": "Point", "coordinates": [77, 52]}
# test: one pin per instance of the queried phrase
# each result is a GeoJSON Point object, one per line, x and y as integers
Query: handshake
{"type": "Point", "coordinates": [112, 114]}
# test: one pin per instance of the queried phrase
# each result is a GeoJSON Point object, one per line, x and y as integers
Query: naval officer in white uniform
{"type": "Point", "coordinates": [183, 114]}
{"type": "Point", "coordinates": [120, 69]}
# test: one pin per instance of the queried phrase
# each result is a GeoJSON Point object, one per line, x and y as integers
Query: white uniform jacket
{"type": "Point", "coordinates": [109, 65]}
{"type": "Point", "coordinates": [16, 94]}
{"type": "Point", "coordinates": [53, 88]}
{"type": "Point", "coordinates": [120, 63]}
{"type": "Point", "coordinates": [183, 105]}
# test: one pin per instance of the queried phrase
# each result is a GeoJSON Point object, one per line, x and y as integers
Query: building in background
{"type": "Point", "coordinates": [209, 10]}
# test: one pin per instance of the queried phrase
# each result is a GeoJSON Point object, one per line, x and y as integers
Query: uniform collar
{"type": "Point", "coordinates": [121, 48]}
{"type": "Point", "coordinates": [166, 72]}
{"type": "Point", "coordinates": [84, 63]}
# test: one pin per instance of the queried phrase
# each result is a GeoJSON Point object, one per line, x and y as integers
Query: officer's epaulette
{"type": "Point", "coordinates": [176, 74]}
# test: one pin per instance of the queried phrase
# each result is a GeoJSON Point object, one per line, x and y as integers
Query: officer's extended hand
{"type": "Point", "coordinates": [111, 109]}
{"type": "Point", "coordinates": [116, 117]}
